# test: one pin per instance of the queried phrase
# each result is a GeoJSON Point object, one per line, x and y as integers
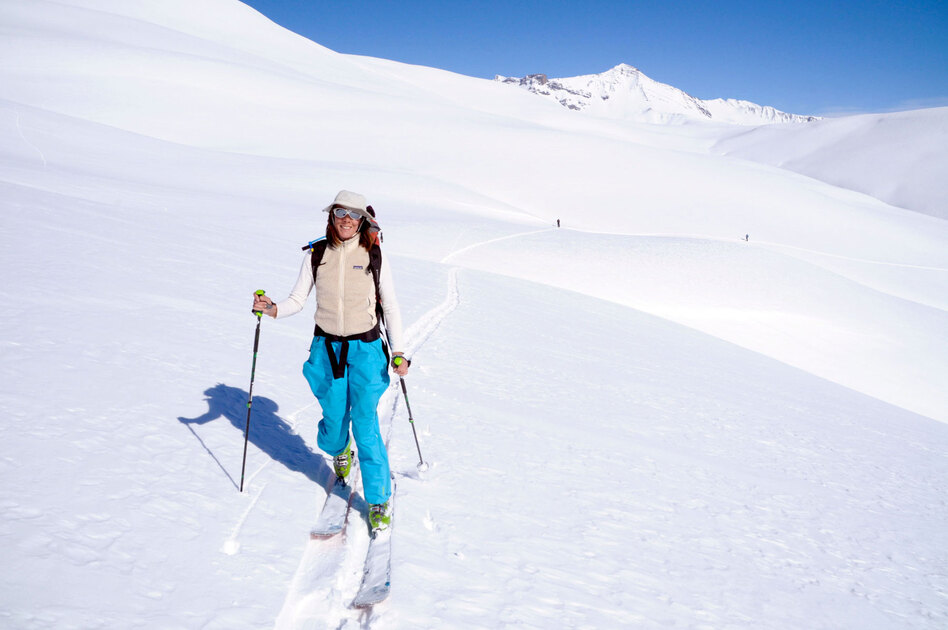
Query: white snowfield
{"type": "Point", "coordinates": [898, 157]}
{"type": "Point", "coordinates": [638, 420]}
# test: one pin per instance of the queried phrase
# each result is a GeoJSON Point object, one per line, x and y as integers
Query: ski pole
{"type": "Point", "coordinates": [253, 369]}
{"type": "Point", "coordinates": [398, 360]}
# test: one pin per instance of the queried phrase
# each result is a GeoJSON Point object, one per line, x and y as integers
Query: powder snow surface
{"type": "Point", "coordinates": [638, 420]}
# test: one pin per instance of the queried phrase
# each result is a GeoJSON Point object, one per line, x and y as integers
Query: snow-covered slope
{"type": "Point", "coordinates": [899, 158]}
{"type": "Point", "coordinates": [636, 421]}
{"type": "Point", "coordinates": [625, 93]}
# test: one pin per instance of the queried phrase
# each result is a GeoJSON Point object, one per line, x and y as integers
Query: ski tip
{"type": "Point", "coordinates": [372, 596]}
{"type": "Point", "coordinates": [319, 533]}
{"type": "Point", "coordinates": [321, 536]}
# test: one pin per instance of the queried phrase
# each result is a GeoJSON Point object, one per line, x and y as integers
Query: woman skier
{"type": "Point", "coordinates": [347, 368]}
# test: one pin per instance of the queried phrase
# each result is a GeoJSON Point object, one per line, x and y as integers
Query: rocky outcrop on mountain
{"type": "Point", "coordinates": [624, 92]}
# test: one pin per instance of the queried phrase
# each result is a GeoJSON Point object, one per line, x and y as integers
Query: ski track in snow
{"type": "Point", "coordinates": [19, 130]}
{"type": "Point", "coordinates": [750, 243]}
{"type": "Point", "coordinates": [851, 258]}
{"type": "Point", "coordinates": [232, 544]}
{"type": "Point", "coordinates": [330, 571]}
{"type": "Point", "coordinates": [493, 240]}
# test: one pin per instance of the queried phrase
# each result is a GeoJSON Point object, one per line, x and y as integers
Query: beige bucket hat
{"type": "Point", "coordinates": [352, 201]}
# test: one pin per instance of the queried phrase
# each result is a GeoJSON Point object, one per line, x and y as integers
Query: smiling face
{"type": "Point", "coordinates": [346, 227]}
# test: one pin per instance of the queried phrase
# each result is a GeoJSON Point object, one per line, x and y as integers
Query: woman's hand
{"type": "Point", "coordinates": [400, 364]}
{"type": "Point", "coordinates": [264, 304]}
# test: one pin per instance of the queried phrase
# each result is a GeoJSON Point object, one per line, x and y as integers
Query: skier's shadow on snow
{"type": "Point", "coordinates": [268, 432]}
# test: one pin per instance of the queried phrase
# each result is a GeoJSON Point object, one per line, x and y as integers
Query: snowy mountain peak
{"type": "Point", "coordinates": [624, 68]}
{"type": "Point", "coordinates": [624, 92]}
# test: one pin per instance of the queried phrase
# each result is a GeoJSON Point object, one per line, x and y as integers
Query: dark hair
{"type": "Point", "coordinates": [365, 236]}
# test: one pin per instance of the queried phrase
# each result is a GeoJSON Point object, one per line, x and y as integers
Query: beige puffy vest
{"type": "Point", "coordinates": [345, 290]}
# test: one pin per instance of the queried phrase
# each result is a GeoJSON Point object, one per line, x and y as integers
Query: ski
{"type": "Point", "coordinates": [377, 574]}
{"type": "Point", "coordinates": [332, 518]}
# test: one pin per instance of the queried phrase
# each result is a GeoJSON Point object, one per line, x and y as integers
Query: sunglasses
{"type": "Point", "coordinates": [343, 212]}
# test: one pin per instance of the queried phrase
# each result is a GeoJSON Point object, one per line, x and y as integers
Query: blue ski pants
{"type": "Point", "coordinates": [353, 401]}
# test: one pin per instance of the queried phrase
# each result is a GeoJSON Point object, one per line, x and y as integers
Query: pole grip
{"type": "Point", "coordinates": [258, 313]}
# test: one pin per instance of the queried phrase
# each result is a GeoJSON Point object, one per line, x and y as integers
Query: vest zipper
{"type": "Point", "coordinates": [343, 260]}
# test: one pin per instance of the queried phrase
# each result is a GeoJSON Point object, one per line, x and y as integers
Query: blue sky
{"type": "Point", "coordinates": [803, 57]}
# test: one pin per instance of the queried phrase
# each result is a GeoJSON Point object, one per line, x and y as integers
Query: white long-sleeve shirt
{"type": "Point", "coordinates": [345, 293]}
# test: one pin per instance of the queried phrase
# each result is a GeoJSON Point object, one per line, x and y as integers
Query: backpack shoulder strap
{"type": "Point", "coordinates": [319, 248]}
{"type": "Point", "coordinates": [375, 264]}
